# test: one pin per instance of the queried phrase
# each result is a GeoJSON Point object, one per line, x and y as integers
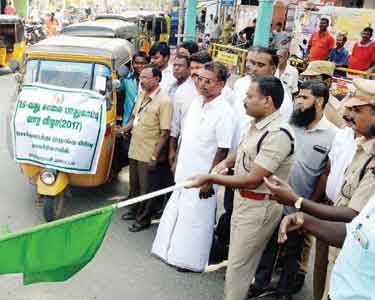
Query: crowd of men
{"type": "Point", "coordinates": [322, 45]}
{"type": "Point", "coordinates": [295, 163]}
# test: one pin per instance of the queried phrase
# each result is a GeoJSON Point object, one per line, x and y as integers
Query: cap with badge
{"type": "Point", "coordinates": [319, 67]}
{"type": "Point", "coordinates": [364, 93]}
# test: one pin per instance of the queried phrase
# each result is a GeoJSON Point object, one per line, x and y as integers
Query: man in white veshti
{"type": "Point", "coordinates": [185, 232]}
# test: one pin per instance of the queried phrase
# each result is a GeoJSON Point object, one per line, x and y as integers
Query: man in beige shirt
{"type": "Point", "coordinates": [358, 186]}
{"type": "Point", "coordinates": [266, 148]}
{"type": "Point", "coordinates": [149, 125]}
{"type": "Point", "coordinates": [323, 70]}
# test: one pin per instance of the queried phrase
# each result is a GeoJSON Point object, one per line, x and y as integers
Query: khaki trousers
{"type": "Point", "coordinates": [252, 225]}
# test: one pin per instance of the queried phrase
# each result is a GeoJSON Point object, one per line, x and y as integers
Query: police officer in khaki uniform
{"type": "Point", "coordinates": [359, 179]}
{"type": "Point", "coordinates": [323, 70]}
{"type": "Point", "coordinates": [267, 148]}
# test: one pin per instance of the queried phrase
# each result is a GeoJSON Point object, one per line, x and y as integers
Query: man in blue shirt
{"type": "Point", "coordinates": [339, 55]}
{"type": "Point", "coordinates": [129, 86]}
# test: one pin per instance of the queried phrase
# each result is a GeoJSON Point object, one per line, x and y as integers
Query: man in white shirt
{"type": "Point", "coordinates": [160, 54]}
{"type": "Point", "coordinates": [183, 98]}
{"type": "Point", "coordinates": [287, 73]}
{"type": "Point", "coordinates": [260, 61]}
{"type": "Point", "coordinates": [184, 93]}
{"type": "Point", "coordinates": [185, 232]}
{"type": "Point", "coordinates": [209, 25]}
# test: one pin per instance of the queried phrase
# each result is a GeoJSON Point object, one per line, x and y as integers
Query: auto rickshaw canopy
{"type": "Point", "coordinates": [119, 51]}
{"type": "Point", "coordinates": [6, 19]}
{"type": "Point", "coordinates": [116, 17]}
{"type": "Point", "coordinates": [110, 29]}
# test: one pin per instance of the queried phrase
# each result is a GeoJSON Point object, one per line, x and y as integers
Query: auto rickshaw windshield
{"type": "Point", "coordinates": [69, 74]}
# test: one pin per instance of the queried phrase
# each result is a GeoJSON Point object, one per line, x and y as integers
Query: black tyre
{"type": "Point", "coordinates": [53, 206]}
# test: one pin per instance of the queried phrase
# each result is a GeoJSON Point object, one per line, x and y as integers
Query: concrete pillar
{"type": "Point", "coordinates": [190, 20]}
{"type": "Point", "coordinates": [181, 11]}
{"type": "Point", "coordinates": [264, 20]}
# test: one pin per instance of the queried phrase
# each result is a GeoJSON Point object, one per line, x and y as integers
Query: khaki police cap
{"type": "Point", "coordinates": [319, 67]}
{"type": "Point", "coordinates": [364, 93]}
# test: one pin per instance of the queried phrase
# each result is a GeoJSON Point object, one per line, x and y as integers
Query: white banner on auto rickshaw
{"type": "Point", "coordinates": [59, 128]}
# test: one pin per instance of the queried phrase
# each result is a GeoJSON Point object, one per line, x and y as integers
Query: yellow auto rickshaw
{"type": "Point", "coordinates": [109, 29]}
{"type": "Point", "coordinates": [12, 40]}
{"type": "Point", "coordinates": [68, 87]}
{"type": "Point", "coordinates": [152, 26]}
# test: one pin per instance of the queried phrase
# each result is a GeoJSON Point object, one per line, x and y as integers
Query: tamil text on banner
{"type": "Point", "coordinates": [59, 128]}
{"type": "Point", "coordinates": [227, 58]}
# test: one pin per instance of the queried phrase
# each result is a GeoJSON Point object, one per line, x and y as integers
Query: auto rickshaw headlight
{"type": "Point", "coordinates": [48, 177]}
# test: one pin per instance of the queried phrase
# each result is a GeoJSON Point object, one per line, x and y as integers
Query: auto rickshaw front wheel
{"type": "Point", "coordinates": [53, 207]}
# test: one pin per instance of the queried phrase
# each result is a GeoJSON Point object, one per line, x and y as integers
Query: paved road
{"type": "Point", "coordinates": [122, 268]}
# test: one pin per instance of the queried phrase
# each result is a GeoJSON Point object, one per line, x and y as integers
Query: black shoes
{"type": "Point", "coordinates": [183, 270]}
{"type": "Point", "coordinates": [128, 216]}
{"type": "Point", "coordinates": [284, 297]}
{"type": "Point", "coordinates": [300, 281]}
{"type": "Point", "coordinates": [254, 292]}
{"type": "Point", "coordinates": [136, 227]}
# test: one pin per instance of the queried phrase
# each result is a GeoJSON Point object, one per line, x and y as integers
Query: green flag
{"type": "Point", "coordinates": [55, 251]}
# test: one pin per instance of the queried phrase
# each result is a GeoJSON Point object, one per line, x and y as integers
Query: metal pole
{"type": "Point", "coordinates": [190, 20]}
{"type": "Point", "coordinates": [180, 21]}
{"type": "Point", "coordinates": [264, 20]}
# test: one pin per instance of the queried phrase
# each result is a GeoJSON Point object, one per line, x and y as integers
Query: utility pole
{"type": "Point", "coordinates": [264, 20]}
{"type": "Point", "coordinates": [181, 11]}
{"type": "Point", "coordinates": [190, 20]}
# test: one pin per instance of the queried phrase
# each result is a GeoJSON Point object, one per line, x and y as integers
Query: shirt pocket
{"type": "Point", "coordinates": [316, 157]}
{"type": "Point", "coordinates": [205, 132]}
{"type": "Point", "coordinates": [149, 118]}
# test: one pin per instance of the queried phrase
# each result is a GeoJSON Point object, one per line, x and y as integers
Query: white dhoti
{"type": "Point", "coordinates": [186, 229]}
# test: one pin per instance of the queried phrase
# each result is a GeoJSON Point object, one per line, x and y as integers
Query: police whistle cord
{"type": "Point", "coordinates": [152, 195]}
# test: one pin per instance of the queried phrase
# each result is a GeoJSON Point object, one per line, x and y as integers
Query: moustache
{"type": "Point", "coordinates": [349, 120]}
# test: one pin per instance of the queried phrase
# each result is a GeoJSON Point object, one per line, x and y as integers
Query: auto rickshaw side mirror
{"type": "Point", "coordinates": [123, 71]}
{"type": "Point", "coordinates": [14, 65]}
{"type": "Point", "coordinates": [116, 84]}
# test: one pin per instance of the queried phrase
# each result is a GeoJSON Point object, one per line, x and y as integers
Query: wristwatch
{"type": "Point", "coordinates": [298, 203]}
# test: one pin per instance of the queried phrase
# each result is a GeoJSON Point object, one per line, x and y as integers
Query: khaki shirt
{"type": "Point", "coordinates": [354, 193]}
{"type": "Point", "coordinates": [152, 115]}
{"type": "Point", "coordinates": [274, 151]}
{"type": "Point", "coordinates": [334, 112]}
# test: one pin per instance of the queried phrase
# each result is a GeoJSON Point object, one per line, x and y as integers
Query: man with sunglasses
{"type": "Point", "coordinates": [358, 186]}
{"type": "Point", "coordinates": [185, 232]}
{"type": "Point", "coordinates": [266, 148]}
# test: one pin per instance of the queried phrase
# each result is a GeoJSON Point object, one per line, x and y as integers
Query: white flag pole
{"type": "Point", "coordinates": [152, 195]}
